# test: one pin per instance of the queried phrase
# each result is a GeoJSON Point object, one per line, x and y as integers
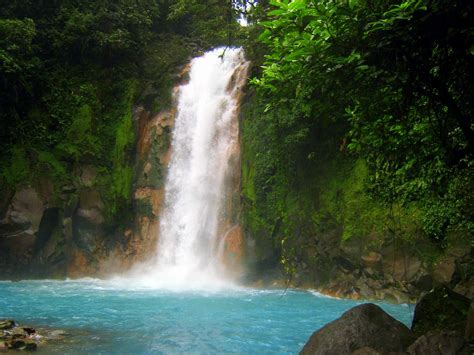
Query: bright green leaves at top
{"type": "Point", "coordinates": [398, 75]}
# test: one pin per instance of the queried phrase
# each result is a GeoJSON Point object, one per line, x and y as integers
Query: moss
{"type": "Point", "coordinates": [81, 124]}
{"type": "Point", "coordinates": [118, 182]}
{"type": "Point", "coordinates": [16, 171]}
{"type": "Point", "coordinates": [54, 167]}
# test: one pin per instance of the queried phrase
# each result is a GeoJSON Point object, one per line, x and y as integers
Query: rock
{"type": "Point", "coordinates": [436, 342]}
{"type": "Point", "coordinates": [67, 228]}
{"type": "Point", "coordinates": [344, 264]}
{"type": "Point", "coordinates": [371, 259]}
{"type": "Point", "coordinates": [152, 197]}
{"type": "Point", "coordinates": [6, 324]}
{"type": "Point", "coordinates": [364, 326]}
{"type": "Point", "coordinates": [424, 283]}
{"type": "Point", "coordinates": [444, 270]}
{"type": "Point", "coordinates": [89, 199]}
{"type": "Point", "coordinates": [71, 206]}
{"type": "Point", "coordinates": [18, 332]}
{"type": "Point", "coordinates": [93, 215]}
{"type": "Point", "coordinates": [401, 265]}
{"type": "Point", "coordinates": [364, 290]}
{"type": "Point", "coordinates": [369, 272]}
{"type": "Point", "coordinates": [16, 343]}
{"type": "Point", "coordinates": [469, 331]}
{"type": "Point", "coordinates": [57, 334]}
{"type": "Point", "coordinates": [29, 330]}
{"type": "Point", "coordinates": [441, 309]}
{"type": "Point", "coordinates": [395, 295]}
{"type": "Point", "coordinates": [88, 175]}
{"type": "Point", "coordinates": [26, 209]}
{"type": "Point", "coordinates": [30, 345]}
{"type": "Point", "coordinates": [466, 288]}
{"type": "Point", "coordinates": [365, 351]}
{"type": "Point", "coordinates": [22, 344]}
{"type": "Point", "coordinates": [3, 347]}
{"type": "Point", "coordinates": [49, 222]}
{"type": "Point", "coordinates": [45, 188]}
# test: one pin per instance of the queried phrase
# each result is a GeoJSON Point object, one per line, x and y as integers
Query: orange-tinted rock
{"type": "Point", "coordinates": [79, 265]}
{"type": "Point", "coordinates": [153, 196]}
{"type": "Point", "coordinates": [371, 259]}
{"type": "Point", "coordinates": [233, 249]}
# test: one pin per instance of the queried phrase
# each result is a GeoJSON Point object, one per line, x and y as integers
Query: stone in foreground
{"type": "Point", "coordinates": [436, 342]}
{"type": "Point", "coordinates": [364, 326]}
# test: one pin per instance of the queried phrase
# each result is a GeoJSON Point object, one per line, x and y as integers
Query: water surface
{"type": "Point", "coordinates": [106, 318]}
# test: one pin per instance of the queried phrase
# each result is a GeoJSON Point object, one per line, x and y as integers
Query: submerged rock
{"type": "Point", "coordinates": [57, 334]}
{"type": "Point", "coordinates": [365, 328]}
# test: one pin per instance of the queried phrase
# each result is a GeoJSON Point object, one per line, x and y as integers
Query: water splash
{"type": "Point", "coordinates": [205, 141]}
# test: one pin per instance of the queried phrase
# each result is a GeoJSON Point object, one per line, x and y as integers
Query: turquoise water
{"type": "Point", "coordinates": [103, 318]}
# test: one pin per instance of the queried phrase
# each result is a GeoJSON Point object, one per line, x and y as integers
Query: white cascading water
{"type": "Point", "coordinates": [205, 136]}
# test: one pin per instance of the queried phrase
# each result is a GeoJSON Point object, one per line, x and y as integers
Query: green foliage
{"type": "Point", "coordinates": [122, 172]}
{"type": "Point", "coordinates": [208, 22]}
{"type": "Point", "coordinates": [71, 73]}
{"type": "Point", "coordinates": [56, 169]}
{"type": "Point", "coordinates": [16, 37]}
{"type": "Point", "coordinates": [402, 102]}
{"type": "Point", "coordinates": [16, 170]}
{"type": "Point", "coordinates": [160, 64]}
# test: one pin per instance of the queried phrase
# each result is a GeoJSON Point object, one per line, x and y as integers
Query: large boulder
{"type": "Point", "coordinates": [364, 326]}
{"type": "Point", "coordinates": [441, 309]}
{"type": "Point", "coordinates": [24, 214]}
{"type": "Point", "coordinates": [439, 342]}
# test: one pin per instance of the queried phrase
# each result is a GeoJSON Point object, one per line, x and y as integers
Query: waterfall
{"type": "Point", "coordinates": [205, 146]}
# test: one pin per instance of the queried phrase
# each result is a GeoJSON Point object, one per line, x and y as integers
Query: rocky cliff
{"type": "Point", "coordinates": [46, 233]}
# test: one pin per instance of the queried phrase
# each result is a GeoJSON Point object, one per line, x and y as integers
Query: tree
{"type": "Point", "coordinates": [398, 78]}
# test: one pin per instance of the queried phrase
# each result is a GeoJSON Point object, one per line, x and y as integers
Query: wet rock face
{"type": "Point", "coordinates": [18, 229]}
{"type": "Point", "coordinates": [152, 157]}
{"type": "Point", "coordinates": [88, 221]}
{"type": "Point", "coordinates": [362, 328]}
{"type": "Point", "coordinates": [65, 231]}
